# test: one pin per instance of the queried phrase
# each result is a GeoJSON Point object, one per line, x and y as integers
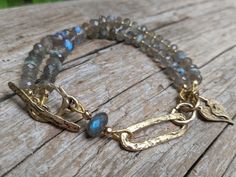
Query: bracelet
{"type": "Point", "coordinates": [55, 48]}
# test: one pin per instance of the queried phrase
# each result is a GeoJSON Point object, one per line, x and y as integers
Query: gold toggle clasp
{"type": "Point", "coordinates": [124, 136]}
{"type": "Point", "coordinates": [36, 98]}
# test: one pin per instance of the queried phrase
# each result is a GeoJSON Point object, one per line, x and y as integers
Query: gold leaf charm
{"type": "Point", "coordinates": [211, 110]}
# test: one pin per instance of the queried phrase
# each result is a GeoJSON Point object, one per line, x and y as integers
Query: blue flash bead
{"type": "Point", "coordinates": [97, 124]}
{"type": "Point", "coordinates": [181, 71]}
{"type": "Point", "coordinates": [69, 45]}
{"type": "Point", "coordinates": [77, 29]}
{"type": "Point", "coordinates": [62, 34]}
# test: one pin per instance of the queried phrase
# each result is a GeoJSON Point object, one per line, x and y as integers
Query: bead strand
{"type": "Point", "coordinates": [58, 46]}
{"type": "Point", "coordinates": [178, 66]}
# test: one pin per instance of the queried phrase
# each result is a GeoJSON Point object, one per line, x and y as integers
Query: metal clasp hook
{"type": "Point", "coordinates": [124, 136]}
{"type": "Point", "coordinates": [36, 98]}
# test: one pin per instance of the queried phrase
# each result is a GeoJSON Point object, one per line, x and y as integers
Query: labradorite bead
{"type": "Point", "coordinates": [126, 21]}
{"type": "Point", "coordinates": [94, 22]}
{"type": "Point", "coordinates": [147, 39]}
{"type": "Point", "coordinates": [118, 20]}
{"type": "Point", "coordinates": [129, 34]}
{"type": "Point", "coordinates": [180, 55]}
{"type": "Point", "coordinates": [51, 70]}
{"type": "Point", "coordinates": [110, 18]}
{"type": "Point", "coordinates": [139, 38]}
{"type": "Point", "coordinates": [97, 124]}
{"type": "Point", "coordinates": [163, 53]}
{"type": "Point", "coordinates": [185, 62]}
{"type": "Point", "coordinates": [181, 71]}
{"type": "Point", "coordinates": [35, 57]}
{"type": "Point", "coordinates": [179, 81]}
{"type": "Point", "coordinates": [143, 28]}
{"type": "Point", "coordinates": [170, 72]}
{"type": "Point", "coordinates": [39, 49]}
{"type": "Point", "coordinates": [25, 83]}
{"type": "Point", "coordinates": [47, 43]}
{"type": "Point", "coordinates": [58, 55]}
{"type": "Point", "coordinates": [55, 62]}
{"type": "Point", "coordinates": [167, 61]}
{"type": "Point", "coordinates": [102, 19]}
{"type": "Point", "coordinates": [77, 29]}
{"type": "Point", "coordinates": [81, 36]}
{"type": "Point", "coordinates": [195, 73]}
{"type": "Point", "coordinates": [69, 45]}
{"type": "Point", "coordinates": [159, 46]}
{"type": "Point", "coordinates": [104, 31]}
{"type": "Point", "coordinates": [29, 60]}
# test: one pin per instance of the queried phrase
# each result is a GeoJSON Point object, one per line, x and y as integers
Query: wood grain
{"type": "Point", "coordinates": [118, 79]}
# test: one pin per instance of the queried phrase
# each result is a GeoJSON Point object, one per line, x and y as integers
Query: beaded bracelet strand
{"type": "Point", "coordinates": [180, 69]}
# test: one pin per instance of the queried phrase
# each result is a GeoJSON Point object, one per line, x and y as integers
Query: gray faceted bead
{"type": "Point", "coordinates": [24, 83]}
{"type": "Point", "coordinates": [180, 55]}
{"type": "Point", "coordinates": [186, 62]}
{"type": "Point", "coordinates": [194, 74]}
{"type": "Point", "coordinates": [47, 43]}
{"type": "Point", "coordinates": [39, 49]}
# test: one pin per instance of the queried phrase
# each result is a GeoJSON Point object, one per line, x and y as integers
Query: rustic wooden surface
{"type": "Point", "coordinates": [118, 79]}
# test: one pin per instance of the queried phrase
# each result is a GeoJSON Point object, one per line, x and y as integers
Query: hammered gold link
{"type": "Point", "coordinates": [125, 136]}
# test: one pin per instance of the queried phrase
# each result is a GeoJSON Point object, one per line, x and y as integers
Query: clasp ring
{"type": "Point", "coordinates": [191, 108]}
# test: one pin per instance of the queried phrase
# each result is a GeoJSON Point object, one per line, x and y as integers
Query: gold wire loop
{"type": "Point", "coordinates": [190, 95]}
{"type": "Point", "coordinates": [185, 108]}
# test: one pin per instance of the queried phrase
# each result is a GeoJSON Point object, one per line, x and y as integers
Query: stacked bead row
{"type": "Point", "coordinates": [178, 66]}
{"type": "Point", "coordinates": [56, 47]}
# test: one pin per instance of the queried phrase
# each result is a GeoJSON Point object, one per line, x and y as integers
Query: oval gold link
{"type": "Point", "coordinates": [125, 137]}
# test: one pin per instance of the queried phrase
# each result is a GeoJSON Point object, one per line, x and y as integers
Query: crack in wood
{"type": "Point", "coordinates": [230, 163]}
{"type": "Point", "coordinates": [206, 150]}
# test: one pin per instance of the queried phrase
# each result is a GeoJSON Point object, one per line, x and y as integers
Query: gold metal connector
{"type": "Point", "coordinates": [36, 99]}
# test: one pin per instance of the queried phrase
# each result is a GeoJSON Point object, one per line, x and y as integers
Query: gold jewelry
{"type": "Point", "coordinates": [185, 75]}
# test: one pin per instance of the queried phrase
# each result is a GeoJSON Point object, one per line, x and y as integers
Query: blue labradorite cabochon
{"type": "Point", "coordinates": [97, 124]}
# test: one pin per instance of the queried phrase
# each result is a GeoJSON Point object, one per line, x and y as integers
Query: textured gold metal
{"type": "Point", "coordinates": [184, 112]}
{"type": "Point", "coordinates": [39, 111]}
{"type": "Point", "coordinates": [211, 110]}
{"type": "Point", "coordinates": [189, 95]}
{"type": "Point", "coordinates": [125, 136]}
{"type": "Point", "coordinates": [189, 108]}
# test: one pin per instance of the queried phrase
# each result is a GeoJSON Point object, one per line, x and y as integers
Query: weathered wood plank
{"type": "Point", "coordinates": [108, 81]}
{"type": "Point", "coordinates": [73, 153]}
{"type": "Point", "coordinates": [231, 171]}
{"type": "Point", "coordinates": [219, 156]}
{"type": "Point", "coordinates": [18, 37]}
